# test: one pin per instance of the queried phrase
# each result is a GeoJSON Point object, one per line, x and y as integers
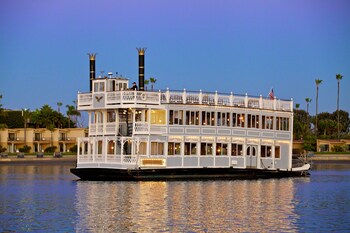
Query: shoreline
{"type": "Point", "coordinates": [29, 159]}
{"type": "Point", "coordinates": [337, 158]}
{"type": "Point", "coordinates": [319, 158]}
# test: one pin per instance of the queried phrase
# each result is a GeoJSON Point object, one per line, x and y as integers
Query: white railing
{"type": "Point", "coordinates": [113, 97]}
{"type": "Point", "coordinates": [141, 127]}
{"type": "Point", "coordinates": [130, 159]}
{"type": "Point", "coordinates": [111, 127]}
{"type": "Point", "coordinates": [86, 100]}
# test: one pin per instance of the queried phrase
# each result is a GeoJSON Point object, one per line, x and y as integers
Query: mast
{"type": "Point", "coordinates": [141, 52]}
{"type": "Point", "coordinates": [92, 57]}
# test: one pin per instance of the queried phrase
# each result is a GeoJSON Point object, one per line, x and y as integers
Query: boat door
{"type": "Point", "coordinates": [251, 156]}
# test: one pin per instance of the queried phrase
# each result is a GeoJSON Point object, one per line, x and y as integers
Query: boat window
{"type": "Point", "coordinates": [86, 147]}
{"type": "Point", "coordinates": [110, 85]}
{"type": "Point", "coordinates": [282, 123]}
{"type": "Point", "coordinates": [138, 115]}
{"type": "Point", "coordinates": [238, 119]}
{"type": "Point", "coordinates": [99, 147]}
{"type": "Point", "coordinates": [223, 119]}
{"type": "Point", "coordinates": [236, 149]}
{"type": "Point", "coordinates": [157, 148]}
{"type": "Point", "coordinates": [110, 116]}
{"type": "Point", "coordinates": [158, 117]}
{"type": "Point", "coordinates": [253, 121]}
{"type": "Point", "coordinates": [99, 86]}
{"type": "Point", "coordinates": [99, 117]}
{"type": "Point", "coordinates": [92, 118]}
{"type": "Point", "coordinates": [277, 152]}
{"type": "Point", "coordinates": [175, 117]}
{"type": "Point", "coordinates": [110, 147]}
{"type": "Point", "coordinates": [251, 150]}
{"type": "Point", "coordinates": [120, 86]}
{"type": "Point", "coordinates": [221, 149]}
{"type": "Point", "coordinates": [208, 118]}
{"type": "Point", "coordinates": [174, 148]}
{"type": "Point", "coordinates": [206, 149]}
{"type": "Point", "coordinates": [142, 148]}
{"type": "Point", "coordinates": [192, 117]}
{"type": "Point", "coordinates": [190, 148]}
{"type": "Point", "coordinates": [266, 151]}
{"type": "Point", "coordinates": [267, 122]}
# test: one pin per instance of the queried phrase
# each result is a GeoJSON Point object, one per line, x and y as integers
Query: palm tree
{"type": "Point", "coordinates": [338, 77]}
{"type": "Point", "coordinates": [26, 116]}
{"type": "Point", "coordinates": [318, 82]}
{"type": "Point", "coordinates": [297, 106]}
{"type": "Point", "coordinates": [51, 127]}
{"type": "Point", "coordinates": [308, 100]}
{"type": "Point", "coordinates": [76, 113]}
{"type": "Point", "coordinates": [153, 81]}
{"type": "Point", "coordinates": [59, 104]}
{"type": "Point", "coordinates": [146, 82]}
{"type": "Point", "coordinates": [71, 111]}
{"type": "Point", "coordinates": [0, 104]}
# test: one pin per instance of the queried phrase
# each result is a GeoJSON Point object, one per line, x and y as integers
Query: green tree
{"type": "Point", "coordinates": [327, 127]}
{"type": "Point", "coordinates": [301, 125]}
{"type": "Point", "coordinates": [309, 143]}
{"type": "Point", "coordinates": [1, 109]}
{"type": "Point", "coordinates": [317, 82]}
{"type": "Point", "coordinates": [2, 124]}
{"type": "Point", "coordinates": [2, 114]}
{"type": "Point", "coordinates": [153, 81]}
{"type": "Point", "coordinates": [59, 104]}
{"type": "Point", "coordinates": [344, 121]}
{"type": "Point", "coordinates": [146, 82]}
{"type": "Point", "coordinates": [71, 111]}
{"type": "Point", "coordinates": [338, 77]}
{"type": "Point", "coordinates": [12, 119]}
{"type": "Point", "coordinates": [44, 116]}
{"type": "Point", "coordinates": [308, 100]}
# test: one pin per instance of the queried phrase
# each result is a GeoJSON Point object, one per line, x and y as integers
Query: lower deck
{"type": "Point", "coordinates": [183, 152]}
{"type": "Point", "coordinates": [135, 161]}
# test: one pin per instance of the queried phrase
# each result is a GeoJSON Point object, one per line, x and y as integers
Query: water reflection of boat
{"type": "Point", "coordinates": [148, 135]}
{"type": "Point", "coordinates": [220, 206]}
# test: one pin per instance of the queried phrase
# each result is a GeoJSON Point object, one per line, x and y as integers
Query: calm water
{"type": "Point", "coordinates": [47, 198]}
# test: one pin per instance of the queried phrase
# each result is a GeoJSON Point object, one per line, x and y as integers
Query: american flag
{"type": "Point", "coordinates": [271, 94]}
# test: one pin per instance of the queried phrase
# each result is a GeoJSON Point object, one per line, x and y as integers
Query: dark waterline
{"type": "Point", "coordinates": [47, 198]}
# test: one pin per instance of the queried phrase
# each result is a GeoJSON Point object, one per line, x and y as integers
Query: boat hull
{"type": "Point", "coordinates": [107, 174]}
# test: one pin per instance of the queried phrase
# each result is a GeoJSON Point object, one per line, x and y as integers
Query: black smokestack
{"type": "Point", "coordinates": [92, 57]}
{"type": "Point", "coordinates": [141, 68]}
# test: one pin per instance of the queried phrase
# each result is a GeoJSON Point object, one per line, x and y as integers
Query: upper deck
{"type": "Point", "coordinates": [133, 98]}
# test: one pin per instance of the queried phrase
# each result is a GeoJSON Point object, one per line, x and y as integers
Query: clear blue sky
{"type": "Point", "coordinates": [240, 46]}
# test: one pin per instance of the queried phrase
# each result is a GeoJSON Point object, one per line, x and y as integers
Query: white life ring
{"type": "Point", "coordinates": [143, 96]}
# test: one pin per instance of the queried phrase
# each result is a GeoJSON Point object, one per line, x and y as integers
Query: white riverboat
{"type": "Point", "coordinates": [163, 135]}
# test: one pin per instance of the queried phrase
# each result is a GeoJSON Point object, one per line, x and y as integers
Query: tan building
{"type": "Point", "coordinates": [328, 145]}
{"type": "Point", "coordinates": [40, 139]}
{"type": "Point", "coordinates": [298, 147]}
